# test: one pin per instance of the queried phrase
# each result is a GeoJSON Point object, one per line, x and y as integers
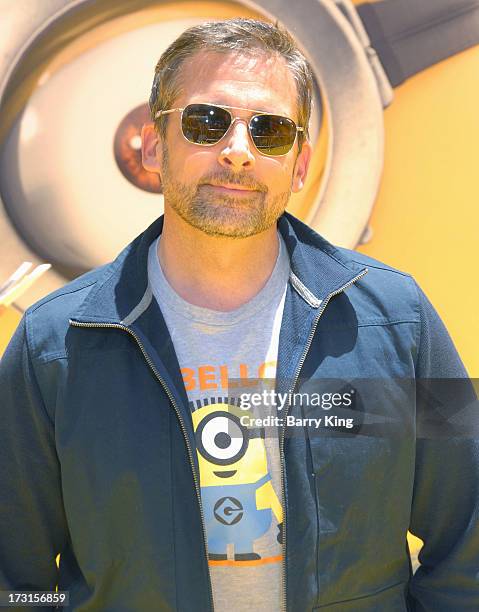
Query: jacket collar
{"type": "Point", "coordinates": [122, 292]}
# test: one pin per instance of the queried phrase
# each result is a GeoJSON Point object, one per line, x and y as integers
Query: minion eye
{"type": "Point", "coordinates": [221, 439]}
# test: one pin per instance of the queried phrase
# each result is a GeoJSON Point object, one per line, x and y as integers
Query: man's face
{"type": "Point", "coordinates": [229, 188]}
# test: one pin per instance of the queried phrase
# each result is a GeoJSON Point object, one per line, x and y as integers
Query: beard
{"type": "Point", "coordinates": [224, 215]}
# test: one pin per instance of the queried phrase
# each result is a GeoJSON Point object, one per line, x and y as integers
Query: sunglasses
{"type": "Point", "coordinates": [207, 124]}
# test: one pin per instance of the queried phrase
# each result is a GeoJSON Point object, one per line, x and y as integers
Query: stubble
{"type": "Point", "coordinates": [223, 215]}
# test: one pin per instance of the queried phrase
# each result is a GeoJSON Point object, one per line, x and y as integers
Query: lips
{"type": "Point", "coordinates": [233, 186]}
{"type": "Point", "coordinates": [231, 189]}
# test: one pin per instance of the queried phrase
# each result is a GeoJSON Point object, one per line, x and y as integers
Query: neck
{"type": "Point", "coordinates": [216, 272]}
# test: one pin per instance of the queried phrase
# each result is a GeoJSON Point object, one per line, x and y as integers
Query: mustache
{"type": "Point", "coordinates": [220, 178]}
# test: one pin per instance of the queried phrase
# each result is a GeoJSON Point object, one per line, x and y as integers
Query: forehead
{"type": "Point", "coordinates": [260, 82]}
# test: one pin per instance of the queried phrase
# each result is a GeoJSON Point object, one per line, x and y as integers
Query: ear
{"type": "Point", "coordinates": [151, 150]}
{"type": "Point", "coordinates": [301, 167]}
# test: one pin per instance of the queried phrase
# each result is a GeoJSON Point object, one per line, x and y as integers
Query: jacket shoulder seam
{"type": "Point", "coordinates": [29, 350]}
{"type": "Point", "coordinates": [418, 326]}
{"type": "Point", "coordinates": [47, 299]}
{"type": "Point", "coordinates": [385, 269]}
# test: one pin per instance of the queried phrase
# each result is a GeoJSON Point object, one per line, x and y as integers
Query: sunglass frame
{"type": "Point", "coordinates": [257, 113]}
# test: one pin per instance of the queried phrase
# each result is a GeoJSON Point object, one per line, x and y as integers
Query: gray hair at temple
{"type": "Point", "coordinates": [247, 35]}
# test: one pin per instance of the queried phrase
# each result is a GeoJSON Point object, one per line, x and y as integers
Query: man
{"type": "Point", "coordinates": [126, 444]}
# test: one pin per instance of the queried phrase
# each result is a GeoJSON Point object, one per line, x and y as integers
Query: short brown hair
{"type": "Point", "coordinates": [248, 35]}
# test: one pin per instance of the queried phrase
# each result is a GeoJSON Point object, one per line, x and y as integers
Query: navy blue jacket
{"type": "Point", "coordinates": [98, 458]}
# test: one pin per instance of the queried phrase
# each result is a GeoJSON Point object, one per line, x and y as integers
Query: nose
{"type": "Point", "coordinates": [236, 153]}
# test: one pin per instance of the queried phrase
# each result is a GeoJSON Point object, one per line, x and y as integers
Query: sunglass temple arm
{"type": "Point", "coordinates": [167, 112]}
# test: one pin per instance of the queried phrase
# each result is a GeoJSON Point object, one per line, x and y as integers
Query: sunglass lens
{"type": "Point", "coordinates": [205, 124]}
{"type": "Point", "coordinates": [273, 134]}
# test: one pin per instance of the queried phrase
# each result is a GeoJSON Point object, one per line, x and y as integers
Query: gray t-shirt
{"type": "Point", "coordinates": [240, 475]}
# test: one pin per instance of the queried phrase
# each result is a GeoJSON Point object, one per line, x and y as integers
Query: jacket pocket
{"type": "Point", "coordinates": [390, 599]}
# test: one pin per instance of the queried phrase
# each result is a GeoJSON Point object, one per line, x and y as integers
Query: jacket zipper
{"type": "Point", "coordinates": [182, 425]}
{"type": "Point", "coordinates": [290, 392]}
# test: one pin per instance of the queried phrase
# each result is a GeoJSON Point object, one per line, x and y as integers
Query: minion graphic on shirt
{"type": "Point", "coordinates": [237, 494]}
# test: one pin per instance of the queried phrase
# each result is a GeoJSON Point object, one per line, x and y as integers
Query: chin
{"type": "Point", "coordinates": [232, 228]}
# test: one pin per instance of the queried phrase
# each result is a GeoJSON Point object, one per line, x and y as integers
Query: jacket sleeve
{"type": "Point", "coordinates": [32, 521]}
{"type": "Point", "coordinates": [445, 507]}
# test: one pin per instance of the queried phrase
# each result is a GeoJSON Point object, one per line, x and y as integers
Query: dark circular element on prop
{"type": "Point", "coordinates": [127, 150]}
